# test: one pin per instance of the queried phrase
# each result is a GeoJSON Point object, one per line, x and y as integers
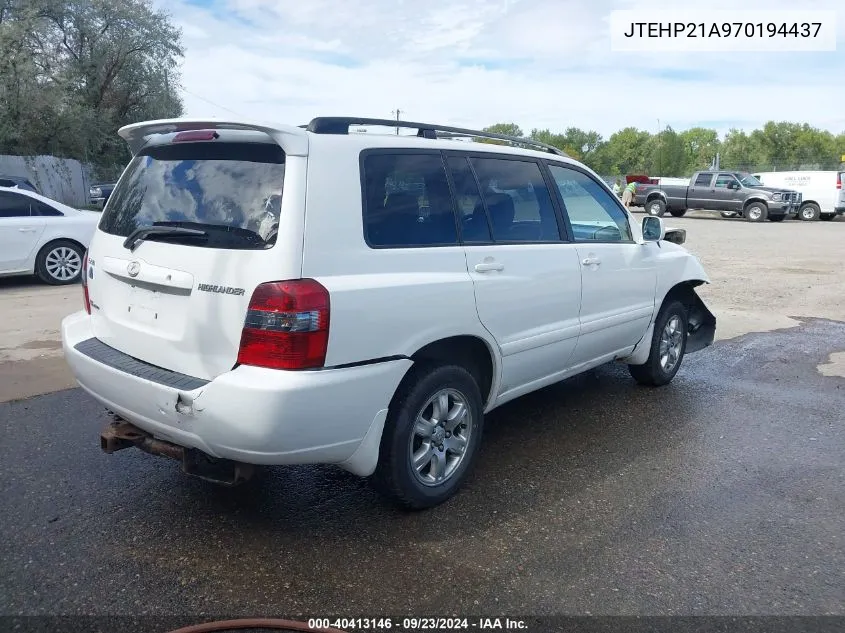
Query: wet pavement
{"type": "Point", "coordinates": [723, 493]}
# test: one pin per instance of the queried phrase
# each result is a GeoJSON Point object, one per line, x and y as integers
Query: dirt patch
{"type": "Point", "coordinates": [835, 366]}
{"type": "Point", "coordinates": [26, 378]}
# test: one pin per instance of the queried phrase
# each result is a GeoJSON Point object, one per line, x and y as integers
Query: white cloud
{"type": "Point", "coordinates": [540, 63]}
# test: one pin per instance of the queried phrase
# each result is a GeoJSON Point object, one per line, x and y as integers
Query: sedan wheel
{"type": "Point", "coordinates": [59, 263]}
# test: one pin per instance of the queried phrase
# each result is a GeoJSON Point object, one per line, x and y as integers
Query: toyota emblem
{"type": "Point", "coordinates": [133, 269]}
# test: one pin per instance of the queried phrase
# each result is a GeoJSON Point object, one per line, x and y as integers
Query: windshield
{"type": "Point", "coordinates": [233, 191]}
{"type": "Point", "coordinates": [748, 180]}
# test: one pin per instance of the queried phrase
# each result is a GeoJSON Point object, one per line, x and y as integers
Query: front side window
{"type": "Point", "coordinates": [723, 181]}
{"type": "Point", "coordinates": [593, 212]}
{"type": "Point", "coordinates": [407, 201]}
{"type": "Point", "coordinates": [14, 205]}
{"type": "Point", "coordinates": [230, 191]}
{"type": "Point", "coordinates": [518, 202]}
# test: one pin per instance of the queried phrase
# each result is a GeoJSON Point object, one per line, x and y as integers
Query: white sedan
{"type": "Point", "coordinates": [41, 236]}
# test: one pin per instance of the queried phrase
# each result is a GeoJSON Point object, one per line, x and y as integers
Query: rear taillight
{"type": "Point", "coordinates": [85, 298]}
{"type": "Point", "coordinates": [287, 326]}
{"type": "Point", "coordinates": [839, 180]}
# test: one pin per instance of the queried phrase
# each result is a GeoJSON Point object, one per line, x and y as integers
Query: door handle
{"type": "Point", "coordinates": [27, 230]}
{"type": "Point", "coordinates": [487, 267]}
{"type": "Point", "coordinates": [591, 261]}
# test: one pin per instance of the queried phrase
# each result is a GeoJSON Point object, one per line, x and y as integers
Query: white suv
{"type": "Point", "coordinates": [259, 295]}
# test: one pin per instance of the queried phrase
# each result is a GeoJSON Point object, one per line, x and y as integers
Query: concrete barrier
{"type": "Point", "coordinates": [62, 179]}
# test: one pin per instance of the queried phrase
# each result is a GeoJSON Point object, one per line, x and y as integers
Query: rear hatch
{"type": "Point", "coordinates": [188, 233]}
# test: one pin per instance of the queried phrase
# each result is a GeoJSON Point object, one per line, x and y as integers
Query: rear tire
{"type": "Point", "coordinates": [677, 213]}
{"type": "Point", "coordinates": [728, 214]}
{"type": "Point", "coordinates": [809, 212]}
{"type": "Point", "coordinates": [59, 263]}
{"type": "Point", "coordinates": [668, 345]}
{"type": "Point", "coordinates": [655, 207]}
{"type": "Point", "coordinates": [827, 217]}
{"type": "Point", "coordinates": [422, 424]}
{"type": "Point", "coordinates": [756, 212]}
{"type": "Point", "coordinates": [777, 218]}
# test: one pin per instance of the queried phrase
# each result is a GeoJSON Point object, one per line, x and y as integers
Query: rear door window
{"type": "Point", "coordinates": [407, 201]}
{"type": "Point", "coordinates": [474, 224]}
{"type": "Point", "coordinates": [14, 205]}
{"type": "Point", "coordinates": [703, 180]}
{"type": "Point", "coordinates": [518, 202]}
{"type": "Point", "coordinates": [230, 191]}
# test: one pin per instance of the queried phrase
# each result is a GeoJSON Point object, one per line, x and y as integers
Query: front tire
{"type": "Point", "coordinates": [655, 207]}
{"type": "Point", "coordinates": [809, 212]}
{"type": "Point", "coordinates": [678, 213]}
{"type": "Point", "coordinates": [827, 217]}
{"type": "Point", "coordinates": [777, 218]}
{"type": "Point", "coordinates": [59, 263]}
{"type": "Point", "coordinates": [756, 212]}
{"type": "Point", "coordinates": [728, 214]}
{"type": "Point", "coordinates": [668, 345]}
{"type": "Point", "coordinates": [431, 437]}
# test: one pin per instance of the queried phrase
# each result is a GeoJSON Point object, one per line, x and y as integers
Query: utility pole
{"type": "Point", "coordinates": [397, 112]}
{"type": "Point", "coordinates": [659, 150]}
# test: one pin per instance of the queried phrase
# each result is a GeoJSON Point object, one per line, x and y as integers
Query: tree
{"type": "Point", "coordinates": [628, 151]}
{"type": "Point", "coordinates": [667, 154]}
{"type": "Point", "coordinates": [701, 146]}
{"type": "Point", "coordinates": [73, 71]}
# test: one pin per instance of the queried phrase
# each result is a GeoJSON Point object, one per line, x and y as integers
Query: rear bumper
{"type": "Point", "coordinates": [250, 414]}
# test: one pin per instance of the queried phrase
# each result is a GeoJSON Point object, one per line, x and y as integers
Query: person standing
{"type": "Point", "coordinates": [628, 194]}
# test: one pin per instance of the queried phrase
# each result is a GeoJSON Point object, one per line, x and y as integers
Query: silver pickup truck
{"type": "Point", "coordinates": [731, 193]}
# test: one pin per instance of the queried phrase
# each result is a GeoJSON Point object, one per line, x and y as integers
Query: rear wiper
{"type": "Point", "coordinates": [139, 235]}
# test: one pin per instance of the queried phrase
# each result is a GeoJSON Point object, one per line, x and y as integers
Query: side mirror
{"type": "Point", "coordinates": [653, 228]}
{"type": "Point", "coordinates": [676, 236]}
{"type": "Point", "coordinates": [733, 185]}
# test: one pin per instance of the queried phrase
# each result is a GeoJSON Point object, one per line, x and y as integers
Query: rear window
{"type": "Point", "coordinates": [230, 191]}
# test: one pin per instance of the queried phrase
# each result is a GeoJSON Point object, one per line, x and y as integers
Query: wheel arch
{"type": "Point", "coordinates": [702, 322]}
{"type": "Point", "coordinates": [754, 199]}
{"type": "Point", "coordinates": [53, 240]}
{"type": "Point", "coordinates": [469, 351]}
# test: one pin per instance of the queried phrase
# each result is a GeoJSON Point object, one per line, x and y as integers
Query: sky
{"type": "Point", "coordinates": [471, 63]}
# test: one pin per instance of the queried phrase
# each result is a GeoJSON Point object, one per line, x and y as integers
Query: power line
{"type": "Point", "coordinates": [210, 102]}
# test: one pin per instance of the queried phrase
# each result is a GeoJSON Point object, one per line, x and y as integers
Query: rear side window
{"type": "Point", "coordinates": [45, 210]}
{"type": "Point", "coordinates": [13, 205]}
{"type": "Point", "coordinates": [231, 191]}
{"type": "Point", "coordinates": [702, 180]}
{"type": "Point", "coordinates": [518, 202]}
{"type": "Point", "coordinates": [407, 201]}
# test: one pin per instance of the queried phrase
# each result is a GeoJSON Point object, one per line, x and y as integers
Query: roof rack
{"type": "Point", "coordinates": [341, 125]}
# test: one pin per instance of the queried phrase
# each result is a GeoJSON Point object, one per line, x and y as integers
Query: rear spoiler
{"type": "Point", "coordinates": [294, 140]}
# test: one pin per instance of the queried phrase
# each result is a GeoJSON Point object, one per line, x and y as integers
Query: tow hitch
{"type": "Point", "coordinates": [120, 434]}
